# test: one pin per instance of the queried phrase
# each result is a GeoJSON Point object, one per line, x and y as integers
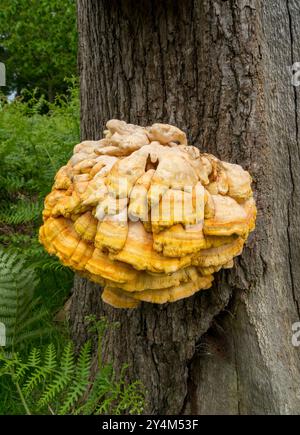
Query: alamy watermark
{"type": "Point", "coordinates": [295, 72]}
{"type": "Point", "coordinates": [2, 334]}
{"type": "Point", "coordinates": [2, 74]}
{"type": "Point", "coordinates": [296, 334]}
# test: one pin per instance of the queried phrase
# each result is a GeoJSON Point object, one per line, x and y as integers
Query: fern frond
{"type": "Point", "coordinates": [39, 370]}
{"type": "Point", "coordinates": [102, 386]}
{"type": "Point", "coordinates": [34, 358]}
{"type": "Point", "coordinates": [61, 379]}
{"type": "Point", "coordinates": [20, 371]}
{"type": "Point", "coordinates": [34, 380]}
{"type": "Point", "coordinates": [131, 399]}
{"type": "Point", "coordinates": [27, 324]}
{"type": "Point", "coordinates": [12, 182]}
{"type": "Point", "coordinates": [81, 380]}
{"type": "Point", "coordinates": [30, 336]}
{"type": "Point", "coordinates": [19, 311]}
{"type": "Point", "coordinates": [7, 364]}
{"type": "Point", "coordinates": [20, 212]}
{"type": "Point", "coordinates": [65, 385]}
{"type": "Point", "coordinates": [50, 357]}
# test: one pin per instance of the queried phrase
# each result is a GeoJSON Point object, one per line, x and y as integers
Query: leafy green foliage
{"type": "Point", "coordinates": [32, 148]}
{"type": "Point", "coordinates": [44, 379]}
{"type": "Point", "coordinates": [60, 379]}
{"type": "Point", "coordinates": [47, 384]}
{"type": "Point", "coordinates": [80, 380]}
{"type": "Point", "coordinates": [117, 396]}
{"type": "Point", "coordinates": [38, 43]}
{"type": "Point", "coordinates": [19, 310]}
{"type": "Point", "coordinates": [22, 211]}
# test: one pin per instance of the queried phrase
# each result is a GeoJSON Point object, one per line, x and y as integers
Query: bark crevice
{"type": "Point", "coordinates": [289, 226]}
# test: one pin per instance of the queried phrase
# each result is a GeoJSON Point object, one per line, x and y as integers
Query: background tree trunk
{"type": "Point", "coordinates": [220, 71]}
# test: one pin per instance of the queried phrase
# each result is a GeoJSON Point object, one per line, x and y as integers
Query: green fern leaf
{"type": "Point", "coordinates": [39, 371]}
{"type": "Point", "coordinates": [61, 379]}
{"type": "Point", "coordinates": [81, 380]}
{"type": "Point", "coordinates": [34, 358]}
{"type": "Point", "coordinates": [50, 357]}
{"type": "Point", "coordinates": [19, 311]}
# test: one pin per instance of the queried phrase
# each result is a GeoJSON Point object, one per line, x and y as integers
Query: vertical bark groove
{"type": "Point", "coordinates": [289, 12]}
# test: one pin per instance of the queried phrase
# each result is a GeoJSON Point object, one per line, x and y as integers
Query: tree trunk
{"type": "Point", "coordinates": [219, 70]}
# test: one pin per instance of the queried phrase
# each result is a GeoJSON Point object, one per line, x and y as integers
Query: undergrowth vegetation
{"type": "Point", "coordinates": [36, 138]}
{"type": "Point", "coordinates": [39, 371]}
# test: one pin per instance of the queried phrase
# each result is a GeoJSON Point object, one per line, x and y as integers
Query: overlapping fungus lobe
{"type": "Point", "coordinates": [147, 216]}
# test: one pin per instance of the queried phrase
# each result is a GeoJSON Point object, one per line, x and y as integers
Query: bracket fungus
{"type": "Point", "coordinates": [146, 216]}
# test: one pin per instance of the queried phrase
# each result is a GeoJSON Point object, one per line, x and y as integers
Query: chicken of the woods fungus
{"type": "Point", "coordinates": [146, 216]}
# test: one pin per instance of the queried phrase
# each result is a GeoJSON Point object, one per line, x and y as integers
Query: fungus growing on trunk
{"type": "Point", "coordinates": [146, 216]}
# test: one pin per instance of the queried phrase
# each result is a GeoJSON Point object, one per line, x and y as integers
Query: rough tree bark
{"type": "Point", "coordinates": [220, 71]}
